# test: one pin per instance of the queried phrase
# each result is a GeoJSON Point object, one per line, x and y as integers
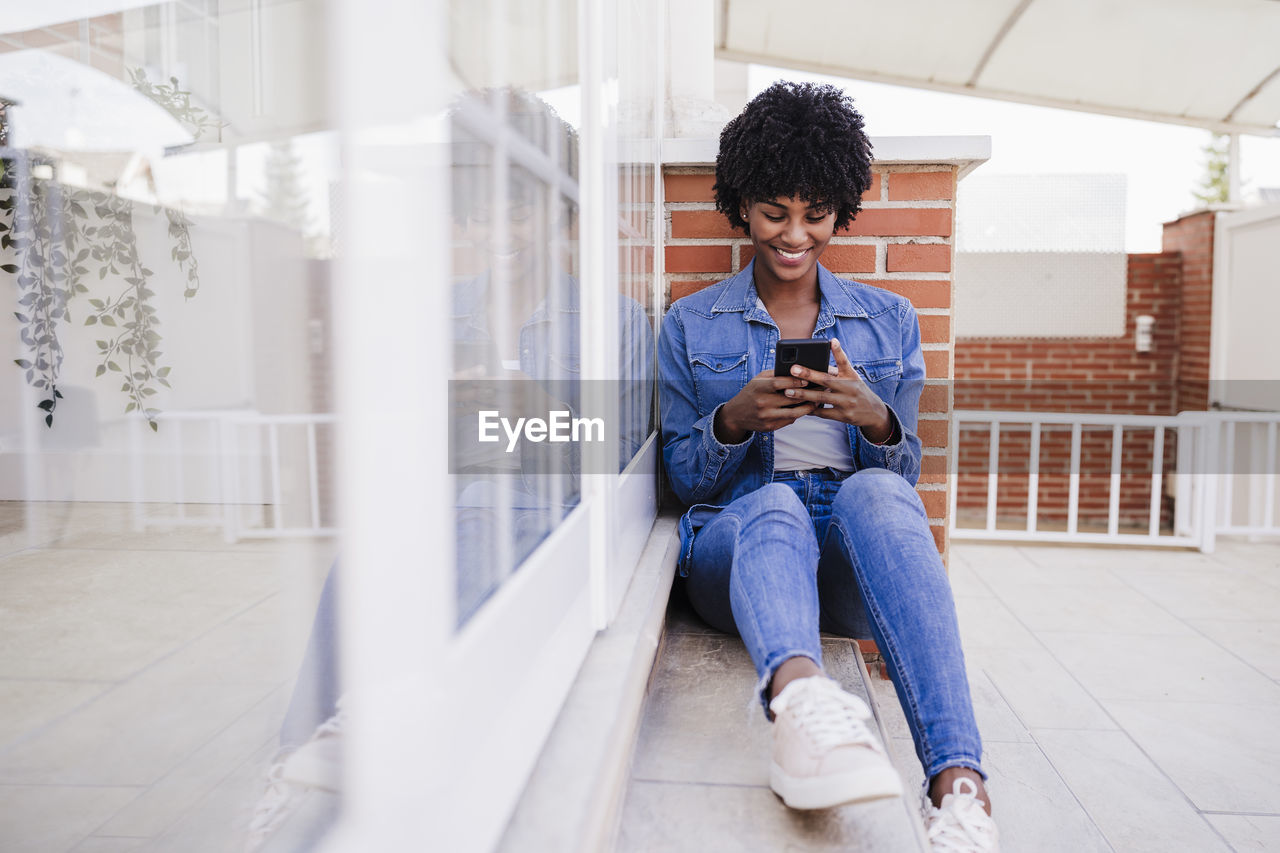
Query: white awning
{"type": "Point", "coordinates": [1206, 63]}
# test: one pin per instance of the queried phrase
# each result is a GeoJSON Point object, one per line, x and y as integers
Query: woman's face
{"type": "Point", "coordinates": [788, 235]}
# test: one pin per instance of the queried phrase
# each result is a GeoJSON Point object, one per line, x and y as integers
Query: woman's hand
{"type": "Point", "coordinates": [760, 407]}
{"type": "Point", "coordinates": [849, 398]}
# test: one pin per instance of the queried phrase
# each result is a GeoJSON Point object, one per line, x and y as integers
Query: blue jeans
{"type": "Point", "coordinates": [850, 555]}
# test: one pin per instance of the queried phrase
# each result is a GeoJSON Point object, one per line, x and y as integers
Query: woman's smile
{"type": "Point", "coordinates": [796, 257]}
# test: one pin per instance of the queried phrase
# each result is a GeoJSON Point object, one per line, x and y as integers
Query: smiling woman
{"type": "Point", "coordinates": [803, 516]}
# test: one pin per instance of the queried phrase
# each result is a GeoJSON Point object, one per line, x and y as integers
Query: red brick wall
{"type": "Point", "coordinates": [1074, 375]}
{"type": "Point", "coordinates": [1094, 375]}
{"type": "Point", "coordinates": [1192, 235]}
{"type": "Point", "coordinates": [901, 241]}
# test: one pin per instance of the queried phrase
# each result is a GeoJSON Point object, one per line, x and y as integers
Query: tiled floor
{"type": "Point", "coordinates": [1128, 701]}
{"type": "Point", "coordinates": [143, 677]}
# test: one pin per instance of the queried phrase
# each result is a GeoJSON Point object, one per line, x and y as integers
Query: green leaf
{"type": "Point", "coordinates": [9, 268]}
{"type": "Point", "coordinates": [101, 344]}
{"type": "Point", "coordinates": [155, 427]}
{"type": "Point", "coordinates": [47, 405]}
{"type": "Point", "coordinates": [48, 420]}
{"type": "Point", "coordinates": [22, 362]}
{"type": "Point", "coordinates": [90, 320]}
{"type": "Point", "coordinates": [129, 408]}
{"type": "Point", "coordinates": [111, 365]}
{"type": "Point", "coordinates": [102, 368]}
{"type": "Point", "coordinates": [108, 320]}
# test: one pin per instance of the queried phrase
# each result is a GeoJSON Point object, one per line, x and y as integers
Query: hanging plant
{"type": "Point", "coordinates": [176, 102]}
{"type": "Point", "coordinates": [58, 236]}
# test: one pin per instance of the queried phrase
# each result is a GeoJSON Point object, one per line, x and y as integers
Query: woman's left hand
{"type": "Point", "coordinates": [843, 396]}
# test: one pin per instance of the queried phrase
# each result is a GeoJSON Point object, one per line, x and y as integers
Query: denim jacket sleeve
{"type": "Point", "coordinates": [903, 456]}
{"type": "Point", "coordinates": [697, 463]}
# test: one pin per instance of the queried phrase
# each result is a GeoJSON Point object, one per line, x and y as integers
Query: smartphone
{"type": "Point", "coordinates": [813, 353]}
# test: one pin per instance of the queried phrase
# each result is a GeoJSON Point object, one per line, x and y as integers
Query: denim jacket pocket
{"type": "Point", "coordinates": [881, 375]}
{"type": "Point", "coordinates": [717, 377]}
{"type": "Point", "coordinates": [566, 363]}
{"type": "Point", "coordinates": [878, 370]}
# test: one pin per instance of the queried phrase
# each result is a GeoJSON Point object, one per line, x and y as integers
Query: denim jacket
{"type": "Point", "coordinates": [714, 341]}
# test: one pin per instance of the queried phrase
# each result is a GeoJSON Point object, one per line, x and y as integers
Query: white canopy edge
{"type": "Point", "coordinates": [1014, 97]}
{"type": "Point", "coordinates": [1194, 63]}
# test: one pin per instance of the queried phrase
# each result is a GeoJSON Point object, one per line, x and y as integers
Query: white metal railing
{"type": "Point", "coordinates": [1209, 491]}
{"type": "Point", "coordinates": [230, 439]}
{"type": "Point", "coordinates": [1247, 438]}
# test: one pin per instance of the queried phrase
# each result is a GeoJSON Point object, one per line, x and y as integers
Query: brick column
{"type": "Point", "coordinates": [1192, 235]}
{"type": "Point", "coordinates": [901, 241]}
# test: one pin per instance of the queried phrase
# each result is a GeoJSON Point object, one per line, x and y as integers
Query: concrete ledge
{"type": "Point", "coordinates": [572, 800]}
{"type": "Point", "coordinates": [965, 152]}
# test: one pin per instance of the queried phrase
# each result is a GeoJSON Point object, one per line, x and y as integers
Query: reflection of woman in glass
{"type": "Point", "coordinates": [516, 349]}
{"type": "Point", "coordinates": [517, 336]}
{"type": "Point", "coordinates": [803, 513]}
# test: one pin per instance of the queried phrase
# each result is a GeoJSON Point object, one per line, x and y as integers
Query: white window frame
{"type": "Point", "coordinates": [444, 725]}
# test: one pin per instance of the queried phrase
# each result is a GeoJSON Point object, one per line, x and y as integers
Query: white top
{"type": "Point", "coordinates": [812, 442]}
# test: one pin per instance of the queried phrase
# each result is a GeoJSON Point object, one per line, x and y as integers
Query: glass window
{"type": "Point", "coordinates": [516, 286]}
{"type": "Point", "coordinates": [166, 434]}
{"type": "Point", "coordinates": [638, 136]}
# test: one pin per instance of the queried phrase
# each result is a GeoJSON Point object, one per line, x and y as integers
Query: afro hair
{"type": "Point", "coordinates": [799, 140]}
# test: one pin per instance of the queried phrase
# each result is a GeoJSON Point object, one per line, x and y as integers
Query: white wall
{"type": "Point", "coordinates": [1246, 349]}
{"type": "Point", "coordinates": [240, 344]}
{"type": "Point", "coordinates": [1040, 294]}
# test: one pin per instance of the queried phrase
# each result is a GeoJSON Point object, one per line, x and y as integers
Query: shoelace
{"type": "Point", "coordinates": [272, 808]}
{"type": "Point", "coordinates": [278, 799]}
{"type": "Point", "coordinates": [962, 825]}
{"type": "Point", "coordinates": [830, 716]}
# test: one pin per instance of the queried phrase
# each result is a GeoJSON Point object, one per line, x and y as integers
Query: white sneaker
{"type": "Point", "coordinates": [318, 762]}
{"type": "Point", "coordinates": [823, 753]}
{"type": "Point", "coordinates": [960, 825]}
{"type": "Point", "coordinates": [277, 803]}
{"type": "Point", "coordinates": [316, 765]}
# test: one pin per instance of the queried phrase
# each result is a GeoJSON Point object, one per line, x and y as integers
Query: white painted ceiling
{"type": "Point", "coordinates": [1205, 63]}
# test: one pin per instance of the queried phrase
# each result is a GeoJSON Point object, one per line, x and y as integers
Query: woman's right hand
{"type": "Point", "coordinates": [760, 407]}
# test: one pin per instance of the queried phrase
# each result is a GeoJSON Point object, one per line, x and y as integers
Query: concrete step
{"type": "Point", "coordinates": [699, 773]}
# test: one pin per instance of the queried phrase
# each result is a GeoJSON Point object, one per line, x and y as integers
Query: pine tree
{"type": "Point", "coordinates": [285, 200]}
{"type": "Point", "coordinates": [1215, 186]}
{"type": "Point", "coordinates": [5, 103]}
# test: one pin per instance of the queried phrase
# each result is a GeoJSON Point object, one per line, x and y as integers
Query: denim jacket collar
{"type": "Point", "coordinates": [740, 295]}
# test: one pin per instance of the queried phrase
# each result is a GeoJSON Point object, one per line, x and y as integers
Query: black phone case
{"type": "Point", "coordinates": [813, 353]}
